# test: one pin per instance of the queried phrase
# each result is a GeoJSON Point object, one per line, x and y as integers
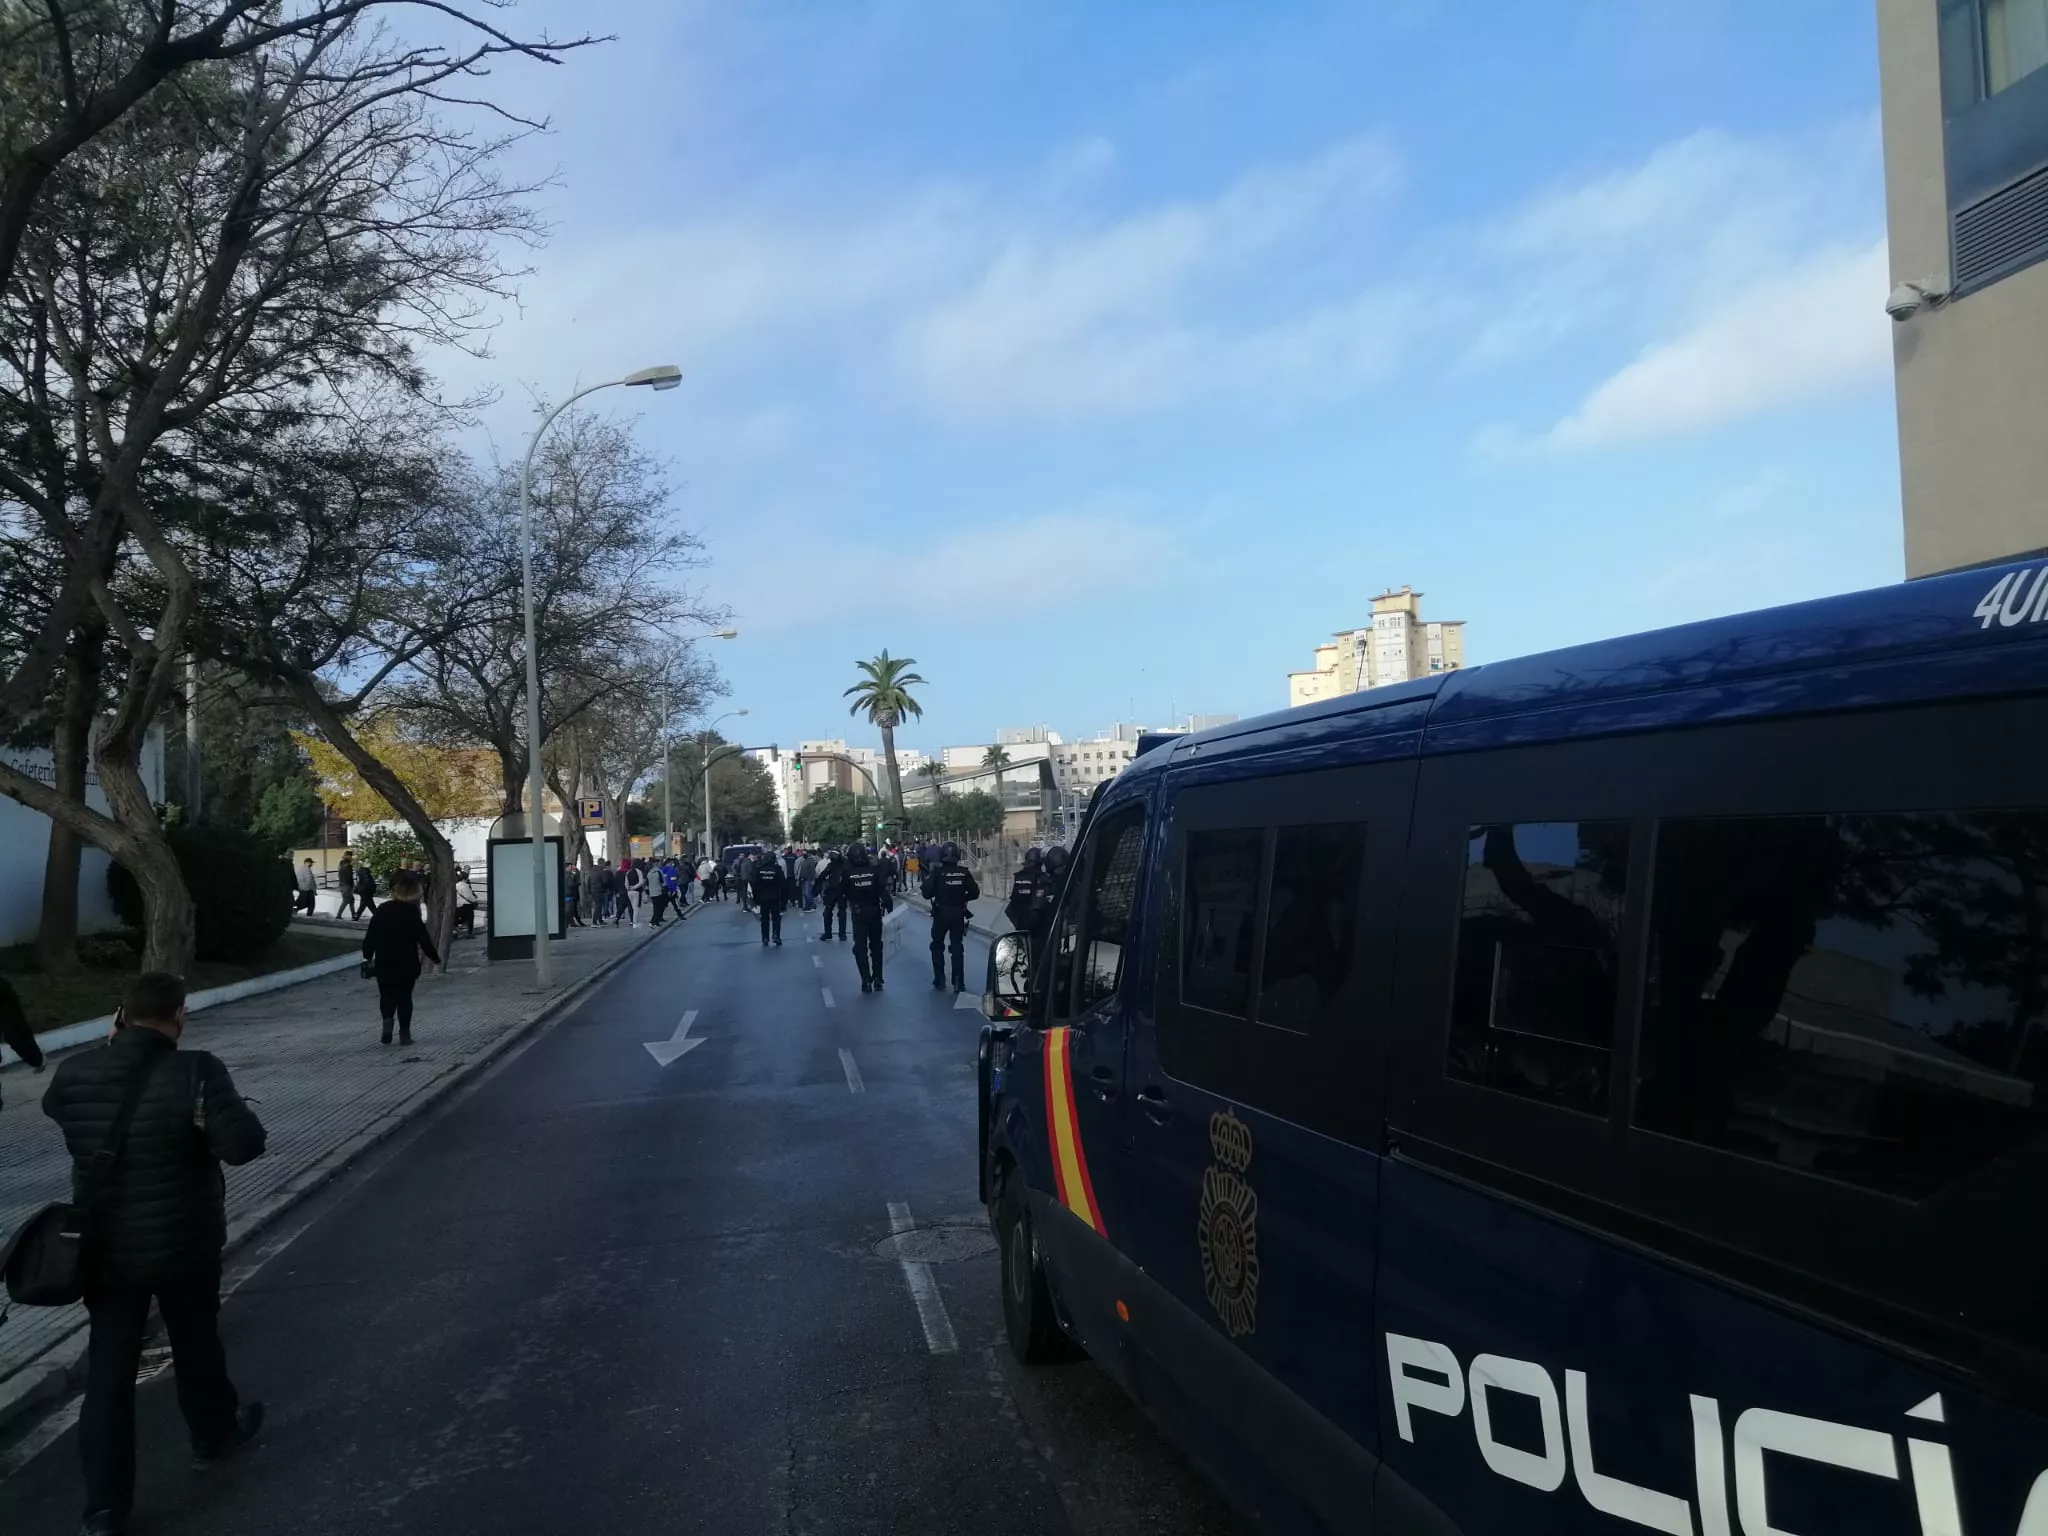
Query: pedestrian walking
{"type": "Point", "coordinates": [771, 894]}
{"type": "Point", "coordinates": [15, 1031]}
{"type": "Point", "coordinates": [743, 871]}
{"type": "Point", "coordinates": [573, 897]}
{"type": "Point", "coordinates": [789, 864]}
{"type": "Point", "coordinates": [308, 886]}
{"type": "Point", "coordinates": [807, 879]}
{"type": "Point", "coordinates": [366, 890]}
{"type": "Point", "coordinates": [949, 889]}
{"type": "Point", "coordinates": [148, 1126]}
{"type": "Point", "coordinates": [634, 891]}
{"type": "Point", "coordinates": [664, 892]}
{"type": "Point", "coordinates": [345, 882]}
{"type": "Point", "coordinates": [868, 895]}
{"type": "Point", "coordinates": [707, 878]}
{"type": "Point", "coordinates": [832, 891]}
{"type": "Point", "coordinates": [466, 901]}
{"type": "Point", "coordinates": [393, 943]}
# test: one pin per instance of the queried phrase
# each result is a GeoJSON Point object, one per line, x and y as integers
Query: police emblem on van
{"type": "Point", "coordinates": [1227, 1227]}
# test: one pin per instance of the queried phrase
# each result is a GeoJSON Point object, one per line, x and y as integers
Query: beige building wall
{"type": "Point", "coordinates": [1972, 374]}
{"type": "Point", "coordinates": [1397, 646]}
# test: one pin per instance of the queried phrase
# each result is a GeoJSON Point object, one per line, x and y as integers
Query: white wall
{"type": "Point", "coordinates": [25, 847]}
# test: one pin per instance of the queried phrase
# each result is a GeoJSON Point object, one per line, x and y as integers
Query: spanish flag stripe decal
{"type": "Point", "coordinates": [1063, 1128]}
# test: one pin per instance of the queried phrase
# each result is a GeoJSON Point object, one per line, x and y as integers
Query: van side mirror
{"type": "Point", "coordinates": [1009, 977]}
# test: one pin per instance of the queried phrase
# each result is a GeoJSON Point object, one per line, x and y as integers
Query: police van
{"type": "Point", "coordinates": [1596, 1092]}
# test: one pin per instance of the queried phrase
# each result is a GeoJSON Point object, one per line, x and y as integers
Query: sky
{"type": "Point", "coordinates": [1106, 359]}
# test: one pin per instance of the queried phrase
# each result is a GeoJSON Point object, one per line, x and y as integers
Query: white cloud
{"type": "Point", "coordinates": [1818, 329]}
{"type": "Point", "coordinates": [1172, 303]}
{"type": "Point", "coordinates": [1035, 555]}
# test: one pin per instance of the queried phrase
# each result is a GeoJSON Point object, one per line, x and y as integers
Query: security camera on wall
{"type": "Point", "coordinates": [1908, 299]}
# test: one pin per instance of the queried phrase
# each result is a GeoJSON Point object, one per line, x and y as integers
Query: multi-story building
{"type": "Point", "coordinates": [1398, 645]}
{"type": "Point", "coordinates": [1965, 107]}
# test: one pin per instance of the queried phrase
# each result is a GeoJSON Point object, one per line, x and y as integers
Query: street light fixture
{"type": "Point", "coordinates": [668, 813]}
{"type": "Point", "coordinates": [667, 376]}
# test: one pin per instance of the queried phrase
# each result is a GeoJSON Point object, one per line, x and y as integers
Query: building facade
{"type": "Point", "coordinates": [1965, 107]}
{"type": "Point", "coordinates": [1398, 645]}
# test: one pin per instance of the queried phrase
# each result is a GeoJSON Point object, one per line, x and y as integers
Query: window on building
{"type": "Point", "coordinates": [2015, 41]}
{"type": "Point", "coordinates": [1221, 905]}
{"type": "Point", "coordinates": [1539, 956]}
{"type": "Point", "coordinates": [1994, 90]}
{"type": "Point", "coordinates": [1311, 923]}
{"type": "Point", "coordinates": [1861, 997]}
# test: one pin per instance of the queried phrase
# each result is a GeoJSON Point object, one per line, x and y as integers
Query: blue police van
{"type": "Point", "coordinates": [1596, 1092]}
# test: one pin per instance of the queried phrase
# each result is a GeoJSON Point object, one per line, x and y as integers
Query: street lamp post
{"type": "Point", "coordinates": [665, 377]}
{"type": "Point", "coordinates": [704, 762]}
{"type": "Point", "coordinates": [668, 812]}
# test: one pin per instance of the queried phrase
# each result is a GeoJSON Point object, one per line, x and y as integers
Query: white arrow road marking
{"type": "Point", "coordinates": [854, 1082]}
{"type": "Point", "coordinates": [830, 1002]}
{"type": "Point", "coordinates": [677, 1044]}
{"type": "Point", "coordinates": [924, 1290]}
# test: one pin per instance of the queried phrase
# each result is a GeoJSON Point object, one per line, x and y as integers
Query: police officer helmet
{"type": "Point", "coordinates": [950, 853]}
{"type": "Point", "coordinates": [856, 853]}
{"type": "Point", "coordinates": [1055, 860]}
{"type": "Point", "coordinates": [1033, 855]}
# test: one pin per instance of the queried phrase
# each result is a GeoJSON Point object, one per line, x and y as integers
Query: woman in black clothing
{"type": "Point", "coordinates": [393, 943]}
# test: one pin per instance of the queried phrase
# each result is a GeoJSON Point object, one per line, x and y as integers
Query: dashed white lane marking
{"type": "Point", "coordinates": [818, 961]}
{"type": "Point", "coordinates": [966, 1000]}
{"type": "Point", "coordinates": [924, 1290]}
{"type": "Point", "coordinates": [854, 1081]}
{"type": "Point", "coordinates": [830, 1002]}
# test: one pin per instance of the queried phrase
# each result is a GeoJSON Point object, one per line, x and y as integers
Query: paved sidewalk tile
{"type": "Point", "coordinates": [307, 1058]}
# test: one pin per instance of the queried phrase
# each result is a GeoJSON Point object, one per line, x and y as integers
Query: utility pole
{"type": "Point", "coordinates": [668, 773]}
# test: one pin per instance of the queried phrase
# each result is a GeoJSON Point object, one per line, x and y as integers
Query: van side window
{"type": "Point", "coordinates": [1112, 895]}
{"type": "Point", "coordinates": [1533, 998]}
{"type": "Point", "coordinates": [1861, 996]}
{"type": "Point", "coordinates": [1222, 908]}
{"type": "Point", "coordinates": [1311, 923]}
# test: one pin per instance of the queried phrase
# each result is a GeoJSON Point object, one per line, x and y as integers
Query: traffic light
{"type": "Point", "coordinates": [797, 757]}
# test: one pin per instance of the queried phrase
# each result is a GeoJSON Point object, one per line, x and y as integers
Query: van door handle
{"type": "Point", "coordinates": [1105, 1083]}
{"type": "Point", "coordinates": [1153, 1103]}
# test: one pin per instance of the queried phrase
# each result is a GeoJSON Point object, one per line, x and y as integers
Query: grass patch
{"type": "Point", "coordinates": [54, 1001]}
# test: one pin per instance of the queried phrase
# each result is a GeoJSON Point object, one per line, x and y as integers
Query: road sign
{"type": "Point", "coordinates": [591, 811]}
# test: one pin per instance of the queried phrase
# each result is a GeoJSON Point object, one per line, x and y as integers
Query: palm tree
{"type": "Point", "coordinates": [883, 695]}
{"type": "Point", "coordinates": [936, 773]}
{"type": "Point", "coordinates": [997, 758]}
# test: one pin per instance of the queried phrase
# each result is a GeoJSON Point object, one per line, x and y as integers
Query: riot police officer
{"type": "Point", "coordinates": [1054, 867]}
{"type": "Point", "coordinates": [771, 892]}
{"type": "Point", "coordinates": [832, 892]}
{"type": "Point", "coordinates": [1027, 889]}
{"type": "Point", "coordinates": [949, 889]}
{"type": "Point", "coordinates": [865, 889]}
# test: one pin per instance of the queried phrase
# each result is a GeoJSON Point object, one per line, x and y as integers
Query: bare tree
{"type": "Point", "coordinates": [72, 69]}
{"type": "Point", "coordinates": [605, 560]}
{"type": "Point", "coordinates": [297, 214]}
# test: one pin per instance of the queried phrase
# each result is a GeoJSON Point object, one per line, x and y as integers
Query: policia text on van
{"type": "Point", "coordinates": [1597, 1092]}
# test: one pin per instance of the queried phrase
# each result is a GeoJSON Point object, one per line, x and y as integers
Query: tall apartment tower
{"type": "Point", "coordinates": [1398, 645]}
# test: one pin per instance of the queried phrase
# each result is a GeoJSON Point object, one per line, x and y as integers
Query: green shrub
{"type": "Point", "coordinates": [241, 892]}
{"type": "Point", "coordinates": [383, 849]}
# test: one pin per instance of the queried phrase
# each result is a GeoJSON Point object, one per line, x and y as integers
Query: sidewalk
{"type": "Point", "coordinates": [307, 1058]}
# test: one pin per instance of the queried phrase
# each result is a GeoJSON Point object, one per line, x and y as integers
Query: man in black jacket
{"type": "Point", "coordinates": [949, 889]}
{"type": "Point", "coordinates": [867, 893]}
{"type": "Point", "coordinates": [159, 1228]}
{"type": "Point", "coordinates": [771, 894]}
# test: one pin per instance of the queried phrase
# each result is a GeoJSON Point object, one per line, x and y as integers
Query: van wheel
{"type": "Point", "coordinates": [1035, 1336]}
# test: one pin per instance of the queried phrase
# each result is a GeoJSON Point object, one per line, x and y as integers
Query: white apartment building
{"type": "Point", "coordinates": [1397, 646]}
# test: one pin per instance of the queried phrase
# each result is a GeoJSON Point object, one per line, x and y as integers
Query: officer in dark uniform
{"type": "Point", "coordinates": [949, 889]}
{"type": "Point", "coordinates": [832, 892]}
{"type": "Point", "coordinates": [1027, 889]}
{"type": "Point", "coordinates": [1053, 878]}
{"type": "Point", "coordinates": [771, 892]}
{"type": "Point", "coordinates": [865, 889]}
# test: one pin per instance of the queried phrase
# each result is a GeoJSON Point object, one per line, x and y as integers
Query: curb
{"type": "Point", "coordinates": [89, 1031]}
{"type": "Point", "coordinates": [60, 1369]}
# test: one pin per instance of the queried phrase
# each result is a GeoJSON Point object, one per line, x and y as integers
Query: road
{"type": "Point", "coordinates": [598, 1293]}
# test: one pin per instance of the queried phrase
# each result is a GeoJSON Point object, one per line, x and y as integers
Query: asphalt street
{"type": "Point", "coordinates": [598, 1292]}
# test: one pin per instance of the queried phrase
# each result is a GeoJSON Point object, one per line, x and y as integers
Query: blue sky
{"type": "Point", "coordinates": [1106, 358]}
